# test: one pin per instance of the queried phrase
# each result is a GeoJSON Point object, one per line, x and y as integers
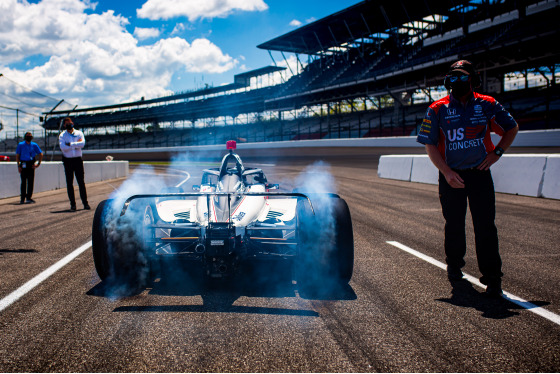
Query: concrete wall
{"type": "Point", "coordinates": [535, 175]}
{"type": "Point", "coordinates": [50, 175]}
{"type": "Point", "coordinates": [534, 138]}
{"type": "Point", "coordinates": [320, 147]}
{"type": "Point", "coordinates": [551, 179]}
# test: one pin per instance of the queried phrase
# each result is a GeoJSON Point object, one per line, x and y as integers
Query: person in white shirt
{"type": "Point", "coordinates": [71, 142]}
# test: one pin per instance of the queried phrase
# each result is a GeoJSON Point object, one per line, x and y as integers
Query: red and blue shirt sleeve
{"type": "Point", "coordinates": [502, 120]}
{"type": "Point", "coordinates": [429, 132]}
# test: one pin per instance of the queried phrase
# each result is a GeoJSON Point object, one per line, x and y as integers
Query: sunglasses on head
{"type": "Point", "coordinates": [463, 78]}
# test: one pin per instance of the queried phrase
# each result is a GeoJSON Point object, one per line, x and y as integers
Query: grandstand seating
{"type": "Point", "coordinates": [390, 65]}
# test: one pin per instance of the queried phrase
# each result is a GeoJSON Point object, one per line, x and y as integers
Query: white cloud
{"type": "Point", "coordinates": [91, 59]}
{"type": "Point", "coordinates": [181, 28]}
{"type": "Point", "coordinates": [295, 23]}
{"type": "Point", "coordinates": [196, 9]}
{"type": "Point", "coordinates": [146, 33]}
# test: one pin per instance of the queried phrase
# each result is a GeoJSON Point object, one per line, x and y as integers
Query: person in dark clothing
{"type": "Point", "coordinates": [456, 134]}
{"type": "Point", "coordinates": [27, 153]}
{"type": "Point", "coordinates": [71, 142]}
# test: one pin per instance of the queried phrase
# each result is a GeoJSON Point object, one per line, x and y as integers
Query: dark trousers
{"type": "Point", "coordinates": [479, 192]}
{"type": "Point", "coordinates": [75, 167]}
{"type": "Point", "coordinates": [27, 179]}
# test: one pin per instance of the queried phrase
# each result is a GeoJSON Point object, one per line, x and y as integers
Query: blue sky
{"type": "Point", "coordinates": [105, 52]}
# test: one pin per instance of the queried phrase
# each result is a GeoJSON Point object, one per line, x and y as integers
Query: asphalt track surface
{"type": "Point", "coordinates": [399, 313]}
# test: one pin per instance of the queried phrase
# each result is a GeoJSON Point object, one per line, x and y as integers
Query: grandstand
{"type": "Point", "coordinates": [369, 70]}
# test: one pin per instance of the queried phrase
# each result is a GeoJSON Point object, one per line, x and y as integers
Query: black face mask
{"type": "Point", "coordinates": [69, 127]}
{"type": "Point", "coordinates": [28, 138]}
{"type": "Point", "coordinates": [460, 89]}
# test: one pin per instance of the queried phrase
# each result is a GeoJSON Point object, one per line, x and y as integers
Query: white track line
{"type": "Point", "coordinates": [184, 180]}
{"type": "Point", "coordinates": [508, 296]}
{"type": "Point", "coordinates": [183, 173]}
{"type": "Point", "coordinates": [20, 292]}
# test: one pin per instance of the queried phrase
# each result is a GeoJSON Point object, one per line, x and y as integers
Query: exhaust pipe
{"type": "Point", "coordinates": [200, 248]}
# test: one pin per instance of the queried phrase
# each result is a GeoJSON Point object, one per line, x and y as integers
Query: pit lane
{"type": "Point", "coordinates": [399, 313]}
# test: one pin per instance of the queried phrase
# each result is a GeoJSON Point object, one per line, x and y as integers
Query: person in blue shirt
{"type": "Point", "coordinates": [28, 158]}
{"type": "Point", "coordinates": [456, 134]}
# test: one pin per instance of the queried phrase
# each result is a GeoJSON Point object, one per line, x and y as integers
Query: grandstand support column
{"type": "Point", "coordinates": [359, 125]}
{"type": "Point", "coordinates": [380, 115]}
{"type": "Point", "coordinates": [329, 120]}
{"type": "Point", "coordinates": [502, 83]}
{"type": "Point", "coordinates": [352, 110]}
{"type": "Point", "coordinates": [287, 64]}
{"type": "Point", "coordinates": [338, 120]}
{"type": "Point", "coordinates": [300, 64]}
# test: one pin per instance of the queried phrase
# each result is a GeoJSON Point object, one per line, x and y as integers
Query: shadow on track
{"type": "Point", "coordinates": [464, 295]}
{"type": "Point", "coordinates": [219, 295]}
{"type": "Point", "coordinates": [63, 211]}
{"type": "Point", "coordinates": [17, 250]}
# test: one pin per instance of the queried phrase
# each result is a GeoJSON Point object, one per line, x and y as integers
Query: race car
{"type": "Point", "coordinates": [232, 219]}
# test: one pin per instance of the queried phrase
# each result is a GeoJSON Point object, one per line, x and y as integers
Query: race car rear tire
{"type": "Point", "coordinates": [326, 243]}
{"type": "Point", "coordinates": [99, 240]}
{"type": "Point", "coordinates": [148, 236]}
{"type": "Point", "coordinates": [118, 249]}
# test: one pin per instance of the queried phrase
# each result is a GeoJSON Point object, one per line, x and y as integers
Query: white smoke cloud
{"type": "Point", "coordinates": [197, 9]}
{"type": "Point", "coordinates": [316, 178]}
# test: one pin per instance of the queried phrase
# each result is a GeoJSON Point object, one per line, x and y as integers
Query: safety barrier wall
{"type": "Point", "coordinates": [50, 175]}
{"type": "Point", "coordinates": [536, 175]}
{"type": "Point", "coordinates": [531, 138]}
{"type": "Point", "coordinates": [535, 138]}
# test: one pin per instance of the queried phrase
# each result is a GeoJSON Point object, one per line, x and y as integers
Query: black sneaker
{"type": "Point", "coordinates": [454, 274]}
{"type": "Point", "coordinates": [494, 292]}
{"type": "Point", "coordinates": [30, 201]}
{"type": "Point", "coordinates": [73, 208]}
{"type": "Point", "coordinates": [87, 207]}
{"type": "Point", "coordinates": [22, 201]}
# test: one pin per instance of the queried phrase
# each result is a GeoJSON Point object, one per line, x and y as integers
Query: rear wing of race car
{"type": "Point", "coordinates": [228, 194]}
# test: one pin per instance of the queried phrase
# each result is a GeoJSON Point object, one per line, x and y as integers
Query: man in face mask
{"type": "Point", "coordinates": [27, 153]}
{"type": "Point", "coordinates": [71, 142]}
{"type": "Point", "coordinates": [456, 134]}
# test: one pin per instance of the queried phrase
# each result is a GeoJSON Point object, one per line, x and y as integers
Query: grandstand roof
{"type": "Point", "coordinates": [374, 19]}
{"type": "Point", "coordinates": [260, 71]}
{"type": "Point", "coordinates": [244, 78]}
{"type": "Point", "coordinates": [240, 81]}
{"type": "Point", "coordinates": [358, 21]}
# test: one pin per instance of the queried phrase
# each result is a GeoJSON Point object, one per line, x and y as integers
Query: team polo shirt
{"type": "Point", "coordinates": [462, 133]}
{"type": "Point", "coordinates": [27, 152]}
